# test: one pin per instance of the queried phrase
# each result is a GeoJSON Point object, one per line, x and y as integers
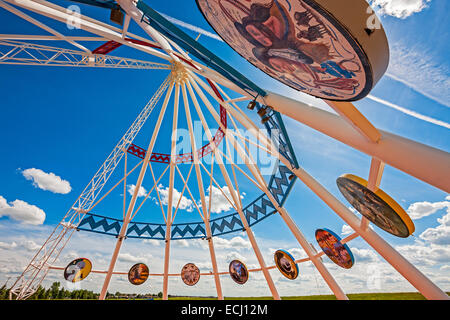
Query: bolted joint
{"type": "Point", "coordinates": [178, 74]}
{"type": "Point", "coordinates": [251, 105]}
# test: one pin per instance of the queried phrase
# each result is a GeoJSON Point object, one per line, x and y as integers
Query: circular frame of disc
{"type": "Point", "coordinates": [377, 206]}
{"type": "Point", "coordinates": [77, 270]}
{"type": "Point", "coordinates": [138, 274]}
{"type": "Point", "coordinates": [190, 274]}
{"type": "Point", "coordinates": [334, 50]}
{"type": "Point", "coordinates": [285, 263]}
{"type": "Point", "coordinates": [238, 278]}
{"type": "Point", "coordinates": [331, 245]}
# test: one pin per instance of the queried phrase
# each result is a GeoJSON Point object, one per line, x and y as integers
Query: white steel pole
{"type": "Point", "coordinates": [130, 8]}
{"type": "Point", "coordinates": [171, 186]}
{"type": "Point", "coordinates": [247, 228]}
{"type": "Point", "coordinates": [403, 266]}
{"type": "Point", "coordinates": [132, 203]}
{"type": "Point", "coordinates": [418, 160]}
{"type": "Point", "coordinates": [206, 213]}
{"type": "Point", "coordinates": [251, 165]}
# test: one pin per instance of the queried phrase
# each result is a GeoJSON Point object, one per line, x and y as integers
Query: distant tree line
{"type": "Point", "coordinates": [56, 291]}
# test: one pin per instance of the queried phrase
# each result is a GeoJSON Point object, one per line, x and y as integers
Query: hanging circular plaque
{"type": "Point", "coordinates": [138, 274]}
{"type": "Point", "coordinates": [238, 271]}
{"type": "Point", "coordinates": [77, 270]}
{"type": "Point", "coordinates": [190, 274]}
{"type": "Point", "coordinates": [331, 245]}
{"type": "Point", "coordinates": [378, 207]}
{"type": "Point", "coordinates": [334, 50]}
{"type": "Point", "coordinates": [286, 264]}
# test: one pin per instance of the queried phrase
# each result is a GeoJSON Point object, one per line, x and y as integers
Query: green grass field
{"type": "Point", "coordinates": [355, 296]}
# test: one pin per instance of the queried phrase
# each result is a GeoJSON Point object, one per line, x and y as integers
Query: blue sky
{"type": "Point", "coordinates": [66, 121]}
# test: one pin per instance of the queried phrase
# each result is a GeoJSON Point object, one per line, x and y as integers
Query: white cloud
{"type": "Point", "coordinates": [400, 8]}
{"type": "Point", "coordinates": [236, 243]}
{"type": "Point", "coordinates": [182, 243]}
{"type": "Point", "coordinates": [422, 209]}
{"type": "Point", "coordinates": [5, 245]}
{"type": "Point", "coordinates": [21, 211]}
{"type": "Point", "coordinates": [185, 203]}
{"type": "Point", "coordinates": [126, 257]}
{"type": "Point", "coordinates": [346, 230]}
{"type": "Point", "coordinates": [47, 181]}
{"type": "Point", "coordinates": [141, 193]}
{"type": "Point", "coordinates": [233, 255]}
{"type": "Point", "coordinates": [30, 245]}
{"type": "Point", "coordinates": [364, 255]}
{"type": "Point", "coordinates": [152, 242]}
{"type": "Point", "coordinates": [441, 234]}
{"type": "Point", "coordinates": [219, 202]}
{"type": "Point", "coordinates": [422, 253]}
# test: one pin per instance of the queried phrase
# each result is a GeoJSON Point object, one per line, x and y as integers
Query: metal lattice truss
{"type": "Point", "coordinates": [21, 53]}
{"type": "Point", "coordinates": [205, 78]}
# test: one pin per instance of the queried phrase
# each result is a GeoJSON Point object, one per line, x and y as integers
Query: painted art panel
{"type": "Point", "coordinates": [286, 264]}
{"type": "Point", "coordinates": [296, 42]}
{"type": "Point", "coordinates": [138, 274]}
{"type": "Point", "coordinates": [190, 274]}
{"type": "Point", "coordinates": [77, 270]}
{"type": "Point", "coordinates": [377, 206]}
{"type": "Point", "coordinates": [238, 271]}
{"type": "Point", "coordinates": [331, 245]}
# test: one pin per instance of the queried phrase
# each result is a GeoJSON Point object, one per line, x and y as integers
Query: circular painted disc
{"type": "Point", "coordinates": [286, 264]}
{"type": "Point", "coordinates": [331, 245]}
{"type": "Point", "coordinates": [238, 271]}
{"type": "Point", "coordinates": [138, 274]}
{"type": "Point", "coordinates": [320, 47]}
{"type": "Point", "coordinates": [77, 270]}
{"type": "Point", "coordinates": [378, 207]}
{"type": "Point", "coordinates": [190, 274]}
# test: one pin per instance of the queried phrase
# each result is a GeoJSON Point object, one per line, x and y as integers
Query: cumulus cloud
{"type": "Point", "coordinates": [21, 211]}
{"type": "Point", "coordinates": [185, 203]}
{"type": "Point", "coordinates": [234, 255]}
{"type": "Point", "coordinates": [141, 193]}
{"type": "Point", "coordinates": [235, 242]}
{"type": "Point", "coordinates": [219, 202]}
{"type": "Point", "coordinates": [364, 255]}
{"type": "Point", "coordinates": [423, 253]}
{"type": "Point", "coordinates": [422, 209]}
{"type": "Point", "coordinates": [5, 245]}
{"type": "Point", "coordinates": [400, 8]}
{"type": "Point", "coordinates": [152, 242]}
{"type": "Point", "coordinates": [346, 230]}
{"type": "Point", "coordinates": [126, 257]}
{"type": "Point", "coordinates": [30, 245]}
{"type": "Point", "coordinates": [182, 243]}
{"type": "Point", "coordinates": [441, 234]}
{"type": "Point", "coordinates": [47, 181]}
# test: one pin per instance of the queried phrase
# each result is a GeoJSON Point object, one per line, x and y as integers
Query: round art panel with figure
{"type": "Point", "coordinates": [331, 245]}
{"type": "Point", "coordinates": [302, 44]}
{"type": "Point", "coordinates": [138, 274]}
{"type": "Point", "coordinates": [238, 271]}
{"type": "Point", "coordinates": [378, 207]}
{"type": "Point", "coordinates": [77, 270]}
{"type": "Point", "coordinates": [190, 274]}
{"type": "Point", "coordinates": [286, 264]}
